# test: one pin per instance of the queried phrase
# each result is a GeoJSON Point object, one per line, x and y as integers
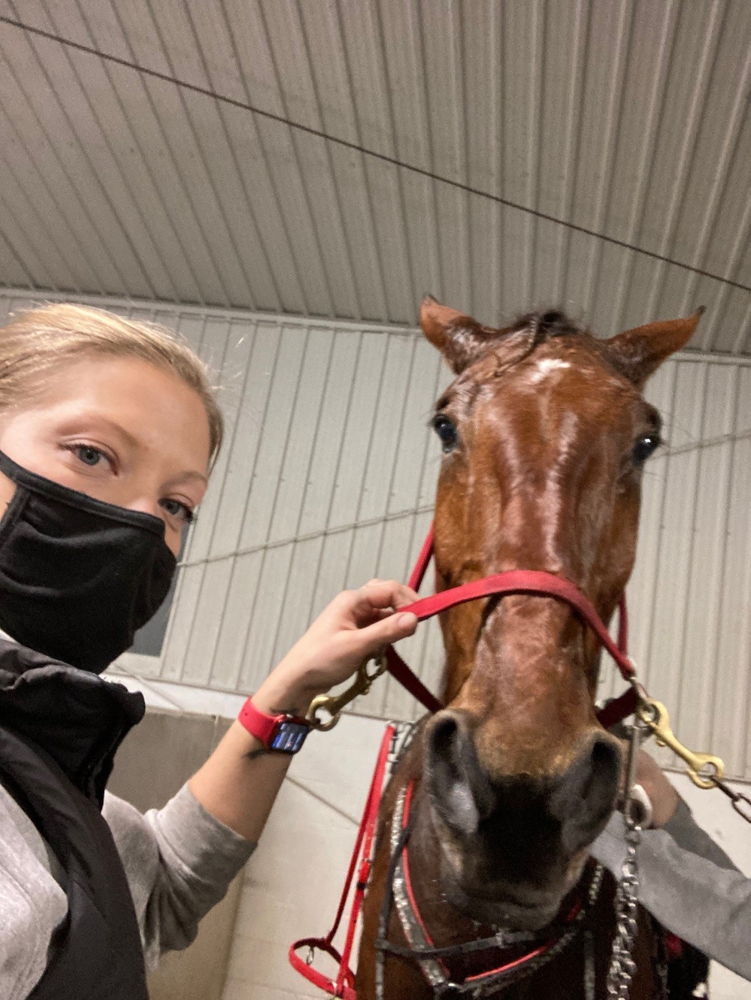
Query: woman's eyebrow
{"type": "Point", "coordinates": [190, 474]}
{"type": "Point", "coordinates": [73, 423]}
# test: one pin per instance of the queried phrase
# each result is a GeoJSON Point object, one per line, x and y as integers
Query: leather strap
{"type": "Point", "coordinates": [524, 581]}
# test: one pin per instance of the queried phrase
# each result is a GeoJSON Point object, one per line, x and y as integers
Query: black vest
{"type": "Point", "coordinates": [59, 729]}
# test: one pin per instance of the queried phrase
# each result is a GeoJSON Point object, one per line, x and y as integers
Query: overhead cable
{"type": "Point", "coordinates": [375, 154]}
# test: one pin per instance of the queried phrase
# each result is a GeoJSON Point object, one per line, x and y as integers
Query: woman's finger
{"type": "Point", "coordinates": [369, 639]}
{"type": "Point", "coordinates": [379, 594]}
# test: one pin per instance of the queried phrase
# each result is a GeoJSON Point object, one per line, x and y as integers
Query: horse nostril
{"type": "Point", "coordinates": [606, 756]}
{"type": "Point", "coordinates": [605, 759]}
{"type": "Point", "coordinates": [458, 787]}
{"type": "Point", "coordinates": [443, 734]}
{"type": "Point", "coordinates": [585, 795]}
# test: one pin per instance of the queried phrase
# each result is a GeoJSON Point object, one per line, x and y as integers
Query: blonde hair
{"type": "Point", "coordinates": [39, 341]}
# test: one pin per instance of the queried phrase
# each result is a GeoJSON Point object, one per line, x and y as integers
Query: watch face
{"type": "Point", "coordinates": [289, 736]}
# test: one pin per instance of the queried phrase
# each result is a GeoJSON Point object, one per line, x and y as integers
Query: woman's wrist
{"type": "Point", "coordinates": [284, 693]}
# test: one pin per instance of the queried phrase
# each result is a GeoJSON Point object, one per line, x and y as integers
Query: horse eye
{"type": "Point", "coordinates": [645, 446]}
{"type": "Point", "coordinates": [446, 431]}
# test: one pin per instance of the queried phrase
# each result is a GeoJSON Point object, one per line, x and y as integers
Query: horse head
{"type": "Point", "coordinates": [545, 434]}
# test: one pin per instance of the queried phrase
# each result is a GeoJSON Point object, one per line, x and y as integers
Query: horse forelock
{"type": "Point", "coordinates": [511, 346]}
{"type": "Point", "coordinates": [546, 324]}
{"type": "Point", "coordinates": [539, 328]}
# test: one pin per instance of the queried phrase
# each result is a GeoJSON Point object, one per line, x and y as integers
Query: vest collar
{"type": "Point", "coordinates": [77, 717]}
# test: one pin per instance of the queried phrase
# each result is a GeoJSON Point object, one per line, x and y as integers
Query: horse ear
{"type": "Point", "coordinates": [459, 338]}
{"type": "Point", "coordinates": [639, 352]}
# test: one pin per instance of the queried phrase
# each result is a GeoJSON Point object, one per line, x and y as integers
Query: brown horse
{"type": "Point", "coordinates": [545, 433]}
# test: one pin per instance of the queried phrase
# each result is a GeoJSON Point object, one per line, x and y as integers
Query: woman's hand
{"type": "Point", "coordinates": [239, 782]}
{"type": "Point", "coordinates": [352, 628]}
{"type": "Point", "coordinates": [661, 793]}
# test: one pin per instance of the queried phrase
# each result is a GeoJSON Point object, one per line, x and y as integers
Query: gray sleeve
{"type": "Point", "coordinates": [179, 861]}
{"type": "Point", "coordinates": [691, 837]}
{"type": "Point", "coordinates": [32, 904]}
{"type": "Point", "coordinates": [690, 885]}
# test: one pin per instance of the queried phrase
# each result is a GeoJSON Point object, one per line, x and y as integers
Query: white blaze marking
{"type": "Point", "coordinates": [546, 366]}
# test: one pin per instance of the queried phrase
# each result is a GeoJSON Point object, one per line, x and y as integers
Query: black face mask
{"type": "Point", "coordinates": [78, 576]}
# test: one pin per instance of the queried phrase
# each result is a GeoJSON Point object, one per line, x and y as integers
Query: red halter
{"type": "Point", "coordinates": [517, 581]}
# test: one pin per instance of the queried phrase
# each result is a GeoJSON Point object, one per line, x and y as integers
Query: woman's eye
{"type": "Point", "coordinates": [446, 431]}
{"type": "Point", "coordinates": [88, 454]}
{"type": "Point", "coordinates": [645, 446]}
{"type": "Point", "coordinates": [176, 508]}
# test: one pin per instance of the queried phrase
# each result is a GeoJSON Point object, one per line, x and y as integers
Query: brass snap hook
{"type": "Point", "coordinates": [704, 769]}
{"type": "Point", "coordinates": [334, 703]}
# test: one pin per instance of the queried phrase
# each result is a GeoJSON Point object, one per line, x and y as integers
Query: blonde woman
{"type": "Point", "coordinates": [108, 430]}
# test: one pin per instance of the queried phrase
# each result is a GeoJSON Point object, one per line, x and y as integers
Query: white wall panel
{"type": "Point", "coordinates": [690, 600]}
{"type": "Point", "coordinates": [327, 479]}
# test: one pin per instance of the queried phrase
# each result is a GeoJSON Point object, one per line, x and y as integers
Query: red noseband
{"type": "Point", "coordinates": [517, 581]}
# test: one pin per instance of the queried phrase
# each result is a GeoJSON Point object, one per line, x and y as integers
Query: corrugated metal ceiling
{"type": "Point", "coordinates": [133, 162]}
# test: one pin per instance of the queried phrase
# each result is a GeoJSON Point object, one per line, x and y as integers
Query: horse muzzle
{"type": "Point", "coordinates": [513, 845]}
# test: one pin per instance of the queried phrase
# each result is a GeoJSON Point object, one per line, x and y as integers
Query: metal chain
{"type": "Point", "coordinates": [741, 803]}
{"type": "Point", "coordinates": [622, 965]}
{"type": "Point", "coordinates": [590, 973]}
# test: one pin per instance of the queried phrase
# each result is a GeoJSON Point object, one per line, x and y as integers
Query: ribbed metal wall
{"type": "Point", "coordinates": [120, 173]}
{"type": "Point", "coordinates": [328, 476]}
{"type": "Point", "coordinates": [690, 596]}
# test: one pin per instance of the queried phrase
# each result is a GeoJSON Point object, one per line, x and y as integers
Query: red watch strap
{"type": "Point", "coordinates": [258, 723]}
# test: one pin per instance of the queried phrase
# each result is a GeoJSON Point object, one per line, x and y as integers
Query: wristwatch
{"type": "Point", "coordinates": [285, 733]}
